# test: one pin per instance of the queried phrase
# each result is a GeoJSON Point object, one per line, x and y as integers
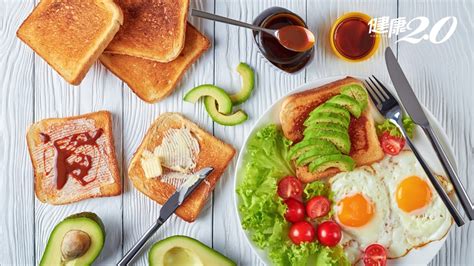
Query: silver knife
{"type": "Point", "coordinates": [414, 109]}
{"type": "Point", "coordinates": [166, 211]}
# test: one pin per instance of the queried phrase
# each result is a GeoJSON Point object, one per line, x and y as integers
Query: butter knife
{"type": "Point", "coordinates": [414, 109]}
{"type": "Point", "coordinates": [166, 211]}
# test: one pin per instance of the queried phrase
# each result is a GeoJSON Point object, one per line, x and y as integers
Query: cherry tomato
{"type": "Point", "coordinates": [375, 255]}
{"type": "Point", "coordinates": [317, 207]}
{"type": "Point", "coordinates": [294, 211]}
{"type": "Point", "coordinates": [390, 144]}
{"type": "Point", "coordinates": [290, 187]}
{"type": "Point", "coordinates": [301, 232]}
{"type": "Point", "coordinates": [329, 233]}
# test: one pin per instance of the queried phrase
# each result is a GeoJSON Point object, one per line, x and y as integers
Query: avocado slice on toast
{"type": "Point", "coordinates": [340, 140]}
{"type": "Point", "coordinates": [342, 162]}
{"type": "Point", "coordinates": [322, 117]}
{"type": "Point", "coordinates": [357, 92]}
{"type": "Point", "coordinates": [347, 102]}
{"type": "Point", "coordinates": [310, 144]}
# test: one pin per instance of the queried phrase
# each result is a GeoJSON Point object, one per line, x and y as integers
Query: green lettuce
{"type": "Point", "coordinates": [262, 211]}
{"type": "Point", "coordinates": [393, 130]}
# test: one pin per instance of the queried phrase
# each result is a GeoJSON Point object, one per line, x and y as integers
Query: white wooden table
{"type": "Point", "coordinates": [442, 76]}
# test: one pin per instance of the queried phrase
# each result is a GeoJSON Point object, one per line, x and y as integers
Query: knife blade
{"type": "Point", "coordinates": [414, 109]}
{"type": "Point", "coordinates": [404, 90]}
{"type": "Point", "coordinates": [167, 210]}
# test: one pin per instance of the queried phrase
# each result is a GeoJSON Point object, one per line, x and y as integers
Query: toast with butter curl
{"type": "Point", "coordinates": [212, 153]}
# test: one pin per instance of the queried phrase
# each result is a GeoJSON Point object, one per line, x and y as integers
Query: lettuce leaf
{"type": "Point", "coordinates": [262, 211]}
{"type": "Point", "coordinates": [393, 130]}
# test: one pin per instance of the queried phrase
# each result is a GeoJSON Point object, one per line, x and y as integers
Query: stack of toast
{"type": "Point", "coordinates": [365, 147]}
{"type": "Point", "coordinates": [147, 44]}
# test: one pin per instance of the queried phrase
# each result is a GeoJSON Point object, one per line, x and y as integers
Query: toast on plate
{"type": "Point", "coordinates": [152, 29]}
{"type": "Point", "coordinates": [71, 35]}
{"type": "Point", "coordinates": [153, 81]}
{"type": "Point", "coordinates": [172, 150]}
{"type": "Point", "coordinates": [365, 147]}
{"type": "Point", "coordinates": [74, 158]}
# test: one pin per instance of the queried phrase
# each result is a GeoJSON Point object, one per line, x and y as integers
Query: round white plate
{"type": "Point", "coordinates": [421, 256]}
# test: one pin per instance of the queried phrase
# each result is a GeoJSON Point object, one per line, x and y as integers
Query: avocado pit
{"type": "Point", "coordinates": [75, 244]}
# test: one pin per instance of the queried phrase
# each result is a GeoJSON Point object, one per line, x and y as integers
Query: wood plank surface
{"type": "Point", "coordinates": [30, 91]}
{"type": "Point", "coordinates": [138, 210]}
{"type": "Point", "coordinates": [16, 114]}
{"type": "Point", "coordinates": [235, 45]}
{"type": "Point", "coordinates": [441, 75]}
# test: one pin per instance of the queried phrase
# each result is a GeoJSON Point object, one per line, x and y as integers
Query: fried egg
{"type": "Point", "coordinates": [361, 207]}
{"type": "Point", "coordinates": [391, 203]}
{"type": "Point", "coordinates": [418, 214]}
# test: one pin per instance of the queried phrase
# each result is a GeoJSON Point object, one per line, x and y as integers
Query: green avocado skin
{"type": "Point", "coordinates": [78, 216]}
{"type": "Point", "coordinates": [207, 255]}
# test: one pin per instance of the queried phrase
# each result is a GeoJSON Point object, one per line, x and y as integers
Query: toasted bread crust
{"type": "Point", "coordinates": [213, 153]}
{"type": "Point", "coordinates": [70, 35]}
{"type": "Point", "coordinates": [152, 81]}
{"type": "Point", "coordinates": [152, 29]}
{"type": "Point", "coordinates": [365, 146]}
{"type": "Point", "coordinates": [48, 194]}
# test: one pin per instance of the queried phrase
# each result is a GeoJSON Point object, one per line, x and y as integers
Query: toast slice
{"type": "Point", "coordinates": [153, 81]}
{"type": "Point", "coordinates": [212, 152]}
{"type": "Point", "coordinates": [71, 35]}
{"type": "Point", "coordinates": [74, 158]}
{"type": "Point", "coordinates": [152, 29]}
{"type": "Point", "coordinates": [365, 146]}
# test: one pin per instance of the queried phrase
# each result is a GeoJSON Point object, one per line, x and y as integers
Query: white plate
{"type": "Point", "coordinates": [420, 256]}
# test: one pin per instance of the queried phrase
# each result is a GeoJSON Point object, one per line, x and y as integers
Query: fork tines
{"type": "Point", "coordinates": [379, 94]}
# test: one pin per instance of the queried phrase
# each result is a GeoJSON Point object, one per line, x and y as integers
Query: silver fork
{"type": "Point", "coordinates": [389, 107]}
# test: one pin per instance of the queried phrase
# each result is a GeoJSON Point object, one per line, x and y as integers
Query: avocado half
{"type": "Point", "coordinates": [183, 250]}
{"type": "Point", "coordinates": [77, 240]}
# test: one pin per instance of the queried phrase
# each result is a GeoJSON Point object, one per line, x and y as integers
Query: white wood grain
{"type": "Point", "coordinates": [54, 97]}
{"type": "Point", "coordinates": [441, 76]}
{"type": "Point", "coordinates": [138, 210]}
{"type": "Point", "coordinates": [235, 45]}
{"type": "Point", "coordinates": [16, 114]}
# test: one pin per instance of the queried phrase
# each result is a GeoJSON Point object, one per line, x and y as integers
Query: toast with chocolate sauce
{"type": "Point", "coordinates": [364, 144]}
{"type": "Point", "coordinates": [74, 158]}
{"type": "Point", "coordinates": [211, 152]}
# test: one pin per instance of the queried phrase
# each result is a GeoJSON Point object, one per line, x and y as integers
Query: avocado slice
{"type": "Point", "coordinates": [331, 108]}
{"type": "Point", "coordinates": [327, 118]}
{"type": "Point", "coordinates": [311, 144]}
{"type": "Point", "coordinates": [312, 155]}
{"type": "Point", "coordinates": [223, 100]}
{"type": "Point", "coordinates": [227, 120]}
{"type": "Point", "coordinates": [248, 82]}
{"type": "Point", "coordinates": [343, 162]}
{"type": "Point", "coordinates": [340, 140]}
{"type": "Point", "coordinates": [325, 126]}
{"type": "Point", "coordinates": [183, 250]}
{"type": "Point", "coordinates": [357, 92]}
{"type": "Point", "coordinates": [347, 102]}
{"type": "Point", "coordinates": [77, 240]}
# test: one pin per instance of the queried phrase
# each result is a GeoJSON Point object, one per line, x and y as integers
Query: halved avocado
{"type": "Point", "coordinates": [183, 250]}
{"type": "Point", "coordinates": [310, 144]}
{"type": "Point", "coordinates": [222, 98]}
{"type": "Point", "coordinates": [331, 108]}
{"type": "Point", "coordinates": [325, 126]}
{"type": "Point", "coordinates": [343, 162]}
{"type": "Point", "coordinates": [327, 118]}
{"type": "Point", "coordinates": [77, 240]}
{"type": "Point", "coordinates": [340, 140]}
{"type": "Point", "coordinates": [227, 120]}
{"type": "Point", "coordinates": [357, 92]}
{"type": "Point", "coordinates": [248, 82]}
{"type": "Point", "coordinates": [347, 102]}
{"type": "Point", "coordinates": [312, 155]}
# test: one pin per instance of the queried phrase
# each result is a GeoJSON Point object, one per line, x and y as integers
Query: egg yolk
{"type": "Point", "coordinates": [355, 210]}
{"type": "Point", "coordinates": [412, 194]}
